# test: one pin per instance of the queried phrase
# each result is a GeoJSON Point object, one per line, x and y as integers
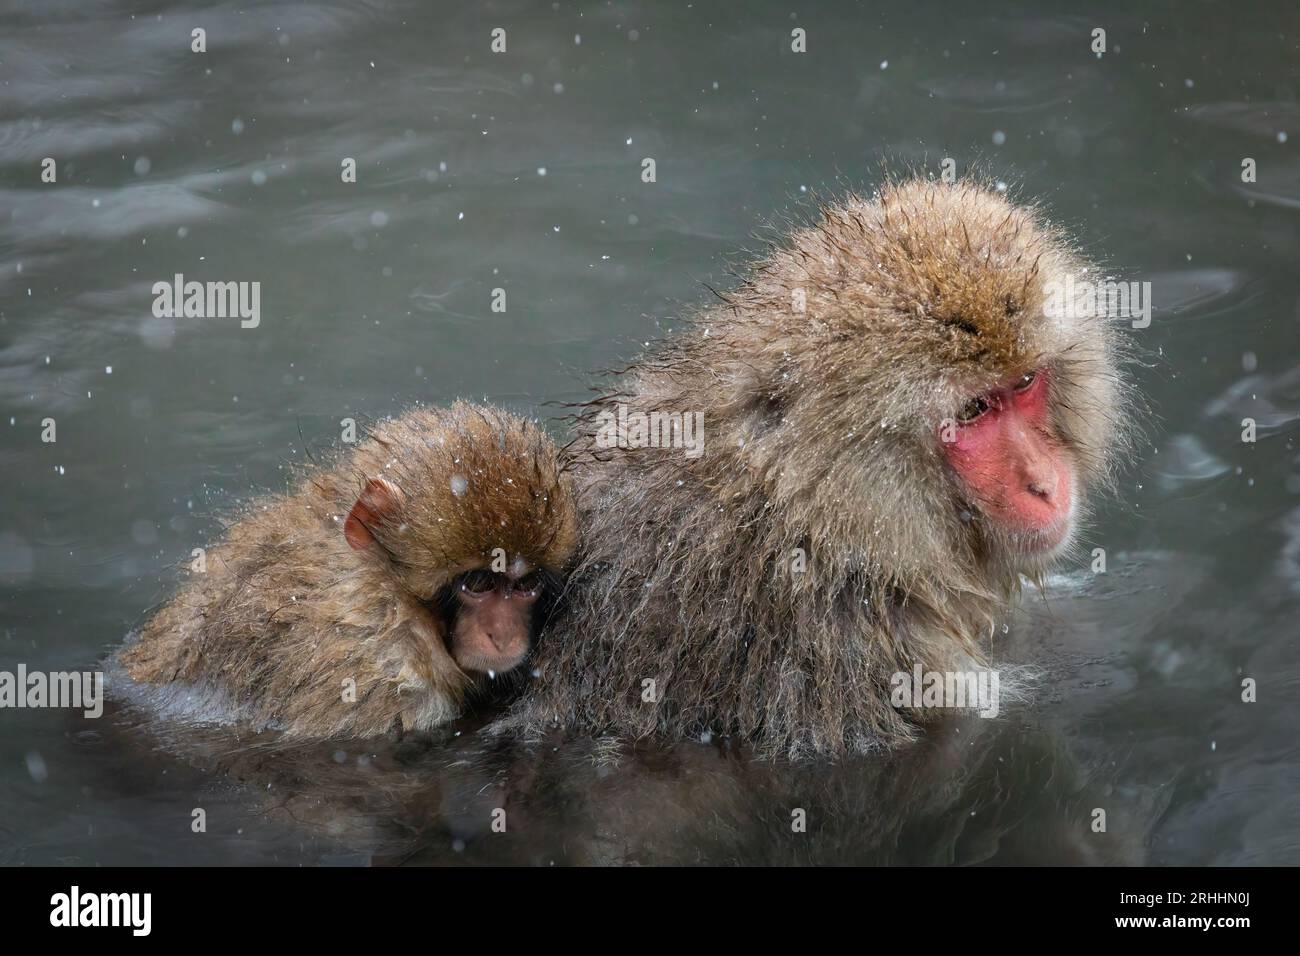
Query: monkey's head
{"type": "Point", "coordinates": [467, 512]}
{"type": "Point", "coordinates": [938, 379]}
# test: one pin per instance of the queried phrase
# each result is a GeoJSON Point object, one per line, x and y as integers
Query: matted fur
{"type": "Point", "coordinates": [821, 435]}
{"type": "Point", "coordinates": [287, 611]}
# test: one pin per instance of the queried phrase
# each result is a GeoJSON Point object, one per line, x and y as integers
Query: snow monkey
{"type": "Point", "coordinates": [383, 590]}
{"type": "Point", "coordinates": [901, 423]}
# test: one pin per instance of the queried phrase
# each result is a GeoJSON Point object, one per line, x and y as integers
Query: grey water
{"type": "Point", "coordinates": [522, 171]}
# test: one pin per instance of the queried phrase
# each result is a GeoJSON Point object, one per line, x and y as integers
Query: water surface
{"type": "Point", "coordinates": [522, 171]}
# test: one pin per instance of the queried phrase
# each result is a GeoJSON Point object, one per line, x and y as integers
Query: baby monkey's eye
{"type": "Point", "coordinates": [972, 410]}
{"type": "Point", "coordinates": [478, 582]}
{"type": "Point", "coordinates": [530, 585]}
{"type": "Point", "coordinates": [1025, 381]}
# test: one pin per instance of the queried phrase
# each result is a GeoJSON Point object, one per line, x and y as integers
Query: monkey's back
{"type": "Point", "coordinates": [822, 377]}
{"type": "Point", "coordinates": [292, 626]}
{"type": "Point", "coordinates": [282, 616]}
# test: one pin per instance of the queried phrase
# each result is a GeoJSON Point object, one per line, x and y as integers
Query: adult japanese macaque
{"type": "Point", "coordinates": [382, 591]}
{"type": "Point", "coordinates": [902, 417]}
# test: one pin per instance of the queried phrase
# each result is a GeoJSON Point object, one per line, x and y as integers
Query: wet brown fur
{"type": "Point", "coordinates": [820, 434]}
{"type": "Point", "coordinates": [286, 611]}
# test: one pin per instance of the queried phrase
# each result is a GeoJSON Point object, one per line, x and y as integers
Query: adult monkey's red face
{"type": "Point", "coordinates": [1012, 465]}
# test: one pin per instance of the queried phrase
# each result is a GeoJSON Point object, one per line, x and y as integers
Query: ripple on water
{"type": "Point", "coordinates": [1261, 119]}
{"type": "Point", "coordinates": [1191, 289]}
{"type": "Point", "coordinates": [1288, 561]}
{"type": "Point", "coordinates": [1271, 400]}
{"type": "Point", "coordinates": [101, 215]}
{"type": "Point", "coordinates": [1184, 461]}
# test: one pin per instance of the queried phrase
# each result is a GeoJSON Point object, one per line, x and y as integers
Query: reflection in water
{"type": "Point", "coordinates": [1014, 789]}
{"type": "Point", "coordinates": [974, 792]}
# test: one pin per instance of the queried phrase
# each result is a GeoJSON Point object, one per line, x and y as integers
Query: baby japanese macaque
{"type": "Point", "coordinates": [383, 590]}
{"type": "Point", "coordinates": [903, 414]}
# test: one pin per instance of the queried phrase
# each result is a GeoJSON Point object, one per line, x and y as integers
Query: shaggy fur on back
{"type": "Point", "coordinates": [287, 611]}
{"type": "Point", "coordinates": [823, 379]}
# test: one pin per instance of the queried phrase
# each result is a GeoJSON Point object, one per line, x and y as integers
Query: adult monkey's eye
{"type": "Point", "coordinates": [1025, 381]}
{"type": "Point", "coordinates": [478, 582]}
{"type": "Point", "coordinates": [530, 585]}
{"type": "Point", "coordinates": [972, 410]}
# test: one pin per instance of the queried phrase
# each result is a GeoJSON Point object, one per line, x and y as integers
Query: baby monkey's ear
{"type": "Point", "coordinates": [378, 502]}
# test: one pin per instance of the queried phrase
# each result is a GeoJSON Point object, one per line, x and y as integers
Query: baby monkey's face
{"type": "Point", "coordinates": [489, 616]}
{"type": "Point", "coordinates": [492, 619]}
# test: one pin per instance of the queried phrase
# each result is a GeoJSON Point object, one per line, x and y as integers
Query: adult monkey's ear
{"type": "Point", "coordinates": [378, 501]}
